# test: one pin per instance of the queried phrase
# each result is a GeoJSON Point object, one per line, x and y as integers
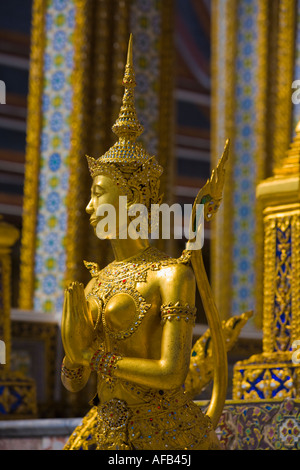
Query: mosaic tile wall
{"type": "Point", "coordinates": [245, 165]}
{"type": "Point", "coordinates": [55, 146]}
{"type": "Point", "coordinates": [145, 25]}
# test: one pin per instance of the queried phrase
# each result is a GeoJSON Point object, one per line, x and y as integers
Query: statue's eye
{"type": "Point", "coordinates": [98, 191]}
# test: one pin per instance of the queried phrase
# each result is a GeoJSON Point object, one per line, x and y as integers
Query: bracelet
{"type": "Point", "coordinates": [177, 312]}
{"type": "Point", "coordinates": [104, 363]}
{"type": "Point", "coordinates": [72, 374]}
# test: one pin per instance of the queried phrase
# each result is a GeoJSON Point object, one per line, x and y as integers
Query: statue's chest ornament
{"type": "Point", "coordinates": [122, 278]}
{"type": "Point", "coordinates": [107, 292]}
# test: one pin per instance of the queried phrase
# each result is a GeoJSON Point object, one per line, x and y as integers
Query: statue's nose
{"type": "Point", "coordinates": [89, 208]}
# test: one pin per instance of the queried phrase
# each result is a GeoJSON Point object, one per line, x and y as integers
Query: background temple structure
{"type": "Point", "coordinates": [206, 71]}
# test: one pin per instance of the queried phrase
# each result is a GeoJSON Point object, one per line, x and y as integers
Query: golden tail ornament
{"type": "Point", "coordinates": [210, 196]}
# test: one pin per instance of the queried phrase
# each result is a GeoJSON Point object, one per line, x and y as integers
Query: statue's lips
{"type": "Point", "coordinates": [94, 221]}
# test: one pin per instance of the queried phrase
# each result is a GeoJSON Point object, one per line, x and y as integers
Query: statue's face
{"type": "Point", "coordinates": [104, 191]}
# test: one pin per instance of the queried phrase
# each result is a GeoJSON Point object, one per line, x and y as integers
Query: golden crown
{"type": "Point", "coordinates": [126, 152]}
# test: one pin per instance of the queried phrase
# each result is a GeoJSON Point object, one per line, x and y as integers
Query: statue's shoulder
{"type": "Point", "coordinates": [177, 280]}
{"type": "Point", "coordinates": [175, 267]}
{"type": "Point", "coordinates": [165, 260]}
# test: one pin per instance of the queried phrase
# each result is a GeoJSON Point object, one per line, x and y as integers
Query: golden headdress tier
{"type": "Point", "coordinates": [127, 125]}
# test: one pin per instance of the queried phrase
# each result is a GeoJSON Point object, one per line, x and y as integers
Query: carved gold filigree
{"type": "Point", "coordinates": [281, 305]}
{"type": "Point", "coordinates": [295, 281]}
{"type": "Point", "coordinates": [283, 276]}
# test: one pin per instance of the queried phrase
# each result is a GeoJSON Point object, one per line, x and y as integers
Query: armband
{"type": "Point", "coordinates": [177, 312]}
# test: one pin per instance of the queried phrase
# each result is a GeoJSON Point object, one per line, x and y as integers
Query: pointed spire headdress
{"type": "Point", "coordinates": [127, 126]}
{"type": "Point", "coordinates": [126, 152]}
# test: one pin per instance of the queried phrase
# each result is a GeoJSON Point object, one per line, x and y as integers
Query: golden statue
{"type": "Point", "coordinates": [133, 322]}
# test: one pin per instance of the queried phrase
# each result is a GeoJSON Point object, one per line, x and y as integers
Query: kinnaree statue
{"type": "Point", "coordinates": [133, 322]}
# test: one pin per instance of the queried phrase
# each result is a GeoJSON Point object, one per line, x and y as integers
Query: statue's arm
{"type": "Point", "coordinates": [178, 285]}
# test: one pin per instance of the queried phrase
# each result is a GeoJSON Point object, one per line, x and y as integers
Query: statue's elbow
{"type": "Point", "coordinates": [173, 377]}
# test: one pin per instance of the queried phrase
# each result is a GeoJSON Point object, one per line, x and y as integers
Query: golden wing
{"type": "Point", "coordinates": [201, 368]}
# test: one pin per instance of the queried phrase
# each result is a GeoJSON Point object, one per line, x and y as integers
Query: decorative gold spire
{"type": "Point", "coordinates": [126, 151]}
{"type": "Point", "coordinates": [291, 162]}
{"type": "Point", "coordinates": [127, 125]}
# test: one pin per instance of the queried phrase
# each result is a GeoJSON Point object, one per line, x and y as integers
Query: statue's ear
{"type": "Point", "coordinates": [134, 198]}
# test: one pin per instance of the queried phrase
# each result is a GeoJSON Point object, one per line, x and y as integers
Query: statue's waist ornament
{"type": "Point", "coordinates": [160, 420]}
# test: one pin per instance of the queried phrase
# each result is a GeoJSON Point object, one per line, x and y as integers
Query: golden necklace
{"type": "Point", "coordinates": [121, 277]}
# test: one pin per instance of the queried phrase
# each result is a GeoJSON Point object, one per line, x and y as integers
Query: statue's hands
{"type": "Point", "coordinates": [77, 326]}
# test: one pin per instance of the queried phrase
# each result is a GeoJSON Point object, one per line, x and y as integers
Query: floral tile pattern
{"type": "Point", "coordinates": [261, 426]}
